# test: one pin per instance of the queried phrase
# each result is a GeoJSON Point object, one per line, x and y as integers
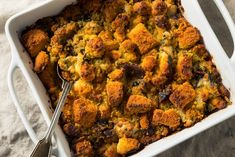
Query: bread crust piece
{"type": "Point", "coordinates": [142, 38]}
{"type": "Point", "coordinates": [114, 91]}
{"type": "Point", "coordinates": [126, 145]}
{"type": "Point", "coordinates": [184, 66]}
{"type": "Point", "coordinates": [41, 61]}
{"type": "Point", "coordinates": [188, 38]}
{"type": "Point", "coordinates": [138, 104]}
{"type": "Point", "coordinates": [84, 148]}
{"type": "Point", "coordinates": [169, 118]}
{"type": "Point", "coordinates": [182, 95]}
{"type": "Point", "coordinates": [84, 112]}
{"type": "Point", "coordinates": [34, 41]}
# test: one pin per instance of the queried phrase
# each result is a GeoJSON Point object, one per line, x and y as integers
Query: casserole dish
{"type": "Point", "coordinates": [22, 61]}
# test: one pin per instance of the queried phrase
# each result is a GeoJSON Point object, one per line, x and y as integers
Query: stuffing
{"type": "Point", "coordinates": [116, 75]}
{"type": "Point", "coordinates": [41, 61]}
{"type": "Point", "coordinates": [114, 92]}
{"type": "Point", "coordinates": [126, 145]}
{"type": "Point", "coordinates": [84, 112]}
{"type": "Point", "coordinates": [34, 41]}
{"type": "Point", "coordinates": [111, 151]}
{"type": "Point", "coordinates": [95, 47]}
{"type": "Point", "coordinates": [164, 70]}
{"type": "Point", "coordinates": [142, 8]}
{"type": "Point", "coordinates": [182, 95]}
{"type": "Point", "coordinates": [144, 122]}
{"type": "Point", "coordinates": [142, 38]}
{"type": "Point", "coordinates": [184, 66]}
{"type": "Point", "coordinates": [87, 72]}
{"type": "Point", "coordinates": [169, 118]}
{"type": "Point", "coordinates": [148, 63]}
{"type": "Point", "coordinates": [84, 149]}
{"type": "Point", "coordinates": [138, 104]}
{"type": "Point", "coordinates": [159, 7]}
{"type": "Point", "coordinates": [189, 38]}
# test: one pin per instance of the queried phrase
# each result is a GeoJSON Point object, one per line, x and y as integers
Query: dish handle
{"type": "Point", "coordinates": [229, 21]}
{"type": "Point", "coordinates": [26, 123]}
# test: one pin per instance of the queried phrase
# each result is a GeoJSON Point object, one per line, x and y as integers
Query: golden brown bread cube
{"type": "Point", "coordinates": [84, 112]}
{"type": "Point", "coordinates": [142, 38]}
{"type": "Point", "coordinates": [138, 104]}
{"type": "Point", "coordinates": [126, 145]}
{"type": "Point", "coordinates": [142, 8]}
{"type": "Point", "coordinates": [111, 151]}
{"type": "Point", "coordinates": [112, 8]}
{"type": "Point", "coordinates": [95, 47]}
{"type": "Point", "coordinates": [148, 63]}
{"type": "Point", "coordinates": [82, 88]}
{"type": "Point", "coordinates": [188, 38]}
{"type": "Point", "coordinates": [114, 92]}
{"type": "Point", "coordinates": [169, 118]}
{"type": "Point", "coordinates": [41, 61]}
{"type": "Point", "coordinates": [144, 122]}
{"type": "Point", "coordinates": [127, 46]}
{"type": "Point", "coordinates": [87, 72]}
{"type": "Point", "coordinates": [34, 41]}
{"type": "Point", "coordinates": [164, 70]}
{"type": "Point", "coordinates": [84, 149]}
{"type": "Point", "coordinates": [104, 111]}
{"type": "Point", "coordinates": [159, 7]}
{"type": "Point", "coordinates": [121, 21]}
{"type": "Point", "coordinates": [116, 75]}
{"type": "Point", "coordinates": [218, 103]}
{"type": "Point", "coordinates": [182, 95]}
{"type": "Point", "coordinates": [192, 116]}
{"type": "Point", "coordinates": [184, 66]}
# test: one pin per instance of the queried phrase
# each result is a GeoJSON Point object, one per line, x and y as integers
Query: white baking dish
{"type": "Point", "coordinates": [193, 13]}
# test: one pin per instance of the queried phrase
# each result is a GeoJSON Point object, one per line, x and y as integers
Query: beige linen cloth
{"type": "Point", "coordinates": [218, 141]}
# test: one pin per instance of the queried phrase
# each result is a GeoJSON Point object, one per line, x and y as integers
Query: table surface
{"type": "Point", "coordinates": [218, 141]}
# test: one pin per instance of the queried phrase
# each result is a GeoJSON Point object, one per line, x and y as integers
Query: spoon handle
{"type": "Point", "coordinates": [66, 88]}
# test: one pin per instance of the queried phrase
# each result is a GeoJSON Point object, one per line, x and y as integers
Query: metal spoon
{"type": "Point", "coordinates": [43, 147]}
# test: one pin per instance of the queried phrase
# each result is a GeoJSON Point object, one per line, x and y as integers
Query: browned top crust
{"type": "Point", "coordinates": [182, 95]}
{"type": "Point", "coordinates": [141, 72]}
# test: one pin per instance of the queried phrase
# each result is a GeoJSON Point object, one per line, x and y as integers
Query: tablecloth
{"type": "Point", "coordinates": [218, 141]}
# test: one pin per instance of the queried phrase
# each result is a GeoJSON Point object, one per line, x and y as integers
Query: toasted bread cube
{"type": "Point", "coordinates": [142, 8]}
{"type": "Point", "coordinates": [159, 7]}
{"type": "Point", "coordinates": [104, 110]}
{"type": "Point", "coordinates": [164, 70]}
{"type": "Point", "coordinates": [144, 122]}
{"type": "Point", "coordinates": [34, 41]}
{"type": "Point", "coordinates": [184, 66]}
{"type": "Point", "coordinates": [84, 112]}
{"type": "Point", "coordinates": [169, 118]}
{"type": "Point", "coordinates": [41, 61]}
{"type": "Point", "coordinates": [116, 75]}
{"type": "Point", "coordinates": [182, 95]}
{"type": "Point", "coordinates": [126, 145]}
{"type": "Point", "coordinates": [92, 28]}
{"type": "Point", "coordinates": [84, 148]}
{"type": "Point", "coordinates": [142, 38]}
{"type": "Point", "coordinates": [112, 8]}
{"type": "Point", "coordinates": [218, 103]}
{"type": "Point", "coordinates": [148, 63]}
{"type": "Point", "coordinates": [138, 104]}
{"type": "Point", "coordinates": [192, 116]}
{"type": "Point", "coordinates": [188, 38]}
{"type": "Point", "coordinates": [114, 92]}
{"type": "Point", "coordinates": [82, 88]}
{"type": "Point", "coordinates": [87, 72]}
{"type": "Point", "coordinates": [95, 47]}
{"type": "Point", "coordinates": [111, 151]}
